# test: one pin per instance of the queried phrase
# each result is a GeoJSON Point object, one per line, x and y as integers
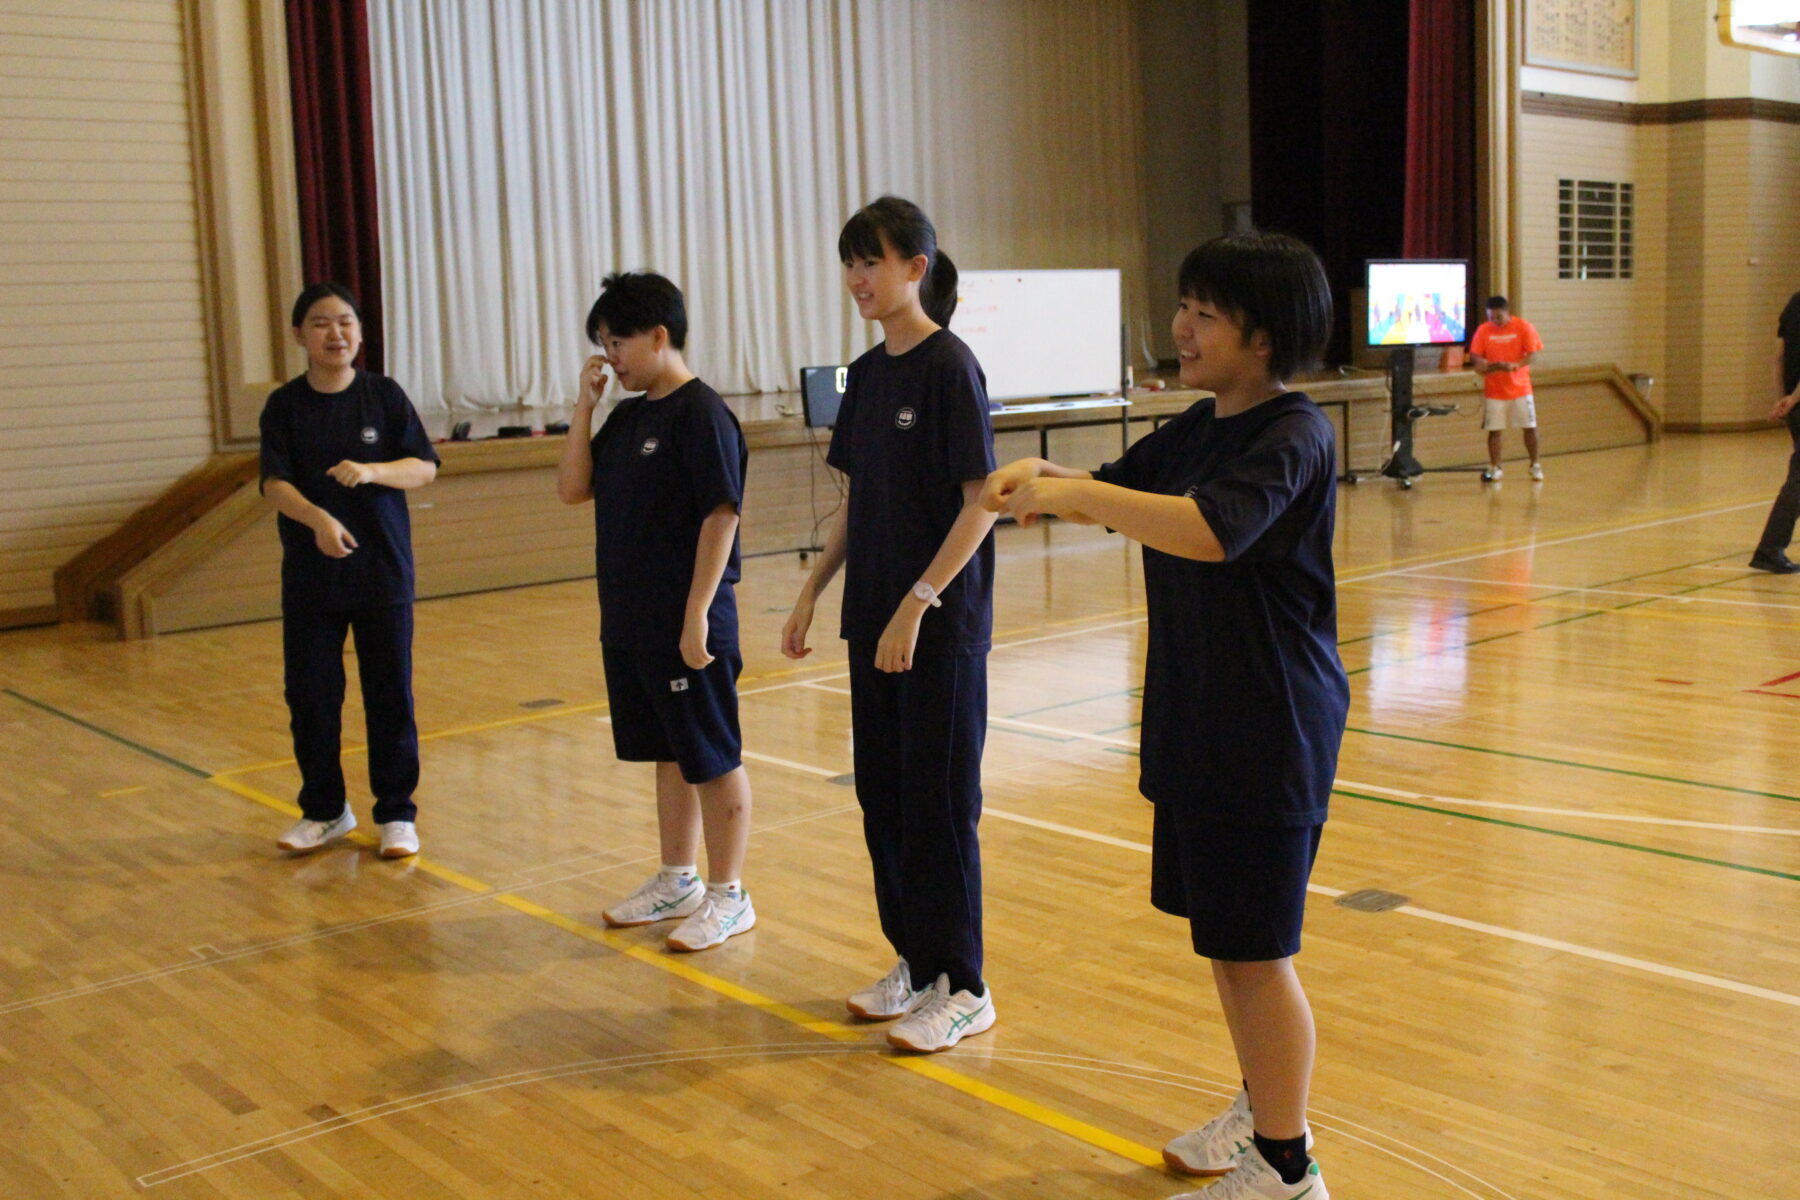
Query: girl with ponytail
{"type": "Point", "coordinates": [915, 441]}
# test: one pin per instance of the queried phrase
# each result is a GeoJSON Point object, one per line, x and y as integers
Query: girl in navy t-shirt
{"type": "Point", "coordinates": [340, 449]}
{"type": "Point", "coordinates": [1244, 694]}
{"type": "Point", "coordinates": [914, 438]}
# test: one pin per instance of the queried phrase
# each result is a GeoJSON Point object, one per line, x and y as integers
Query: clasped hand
{"type": "Point", "coordinates": [353, 474]}
{"type": "Point", "coordinates": [1019, 490]}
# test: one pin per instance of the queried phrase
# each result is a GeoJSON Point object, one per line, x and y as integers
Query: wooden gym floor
{"type": "Point", "coordinates": [1571, 751]}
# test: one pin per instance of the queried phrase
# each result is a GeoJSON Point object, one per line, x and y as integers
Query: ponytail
{"type": "Point", "coordinates": [937, 293]}
{"type": "Point", "coordinates": [891, 222]}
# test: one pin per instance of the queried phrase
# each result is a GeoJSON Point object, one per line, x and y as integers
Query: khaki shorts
{"type": "Point", "coordinates": [1509, 414]}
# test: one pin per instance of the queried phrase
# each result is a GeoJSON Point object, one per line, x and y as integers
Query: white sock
{"type": "Point", "coordinates": [681, 872]}
{"type": "Point", "coordinates": [730, 887]}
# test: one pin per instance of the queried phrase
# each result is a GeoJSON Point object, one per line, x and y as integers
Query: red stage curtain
{"type": "Point", "coordinates": [334, 154]}
{"type": "Point", "coordinates": [1440, 130]}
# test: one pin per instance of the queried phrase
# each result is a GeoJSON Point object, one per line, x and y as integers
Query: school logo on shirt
{"type": "Point", "coordinates": [906, 418]}
{"type": "Point", "coordinates": [369, 436]}
{"type": "Point", "coordinates": [649, 447]}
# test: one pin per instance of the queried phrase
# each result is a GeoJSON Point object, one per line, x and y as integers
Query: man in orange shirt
{"type": "Point", "coordinates": [1502, 351]}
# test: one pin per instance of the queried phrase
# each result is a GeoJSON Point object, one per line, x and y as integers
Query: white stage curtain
{"type": "Point", "coordinates": [526, 148]}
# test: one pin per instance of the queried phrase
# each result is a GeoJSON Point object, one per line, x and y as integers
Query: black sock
{"type": "Point", "coordinates": [1287, 1155]}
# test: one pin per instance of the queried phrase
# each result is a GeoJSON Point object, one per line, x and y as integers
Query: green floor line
{"type": "Point", "coordinates": [1563, 833]}
{"type": "Point", "coordinates": [1036, 734]}
{"type": "Point", "coordinates": [158, 755]}
{"type": "Point", "coordinates": [1413, 627]}
{"type": "Point", "coordinates": [1565, 762]}
{"type": "Point", "coordinates": [1031, 712]}
{"type": "Point", "coordinates": [1477, 612]}
{"type": "Point", "coordinates": [1613, 608]}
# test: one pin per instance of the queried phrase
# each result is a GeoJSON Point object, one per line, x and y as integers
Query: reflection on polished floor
{"type": "Point", "coordinates": [1570, 750]}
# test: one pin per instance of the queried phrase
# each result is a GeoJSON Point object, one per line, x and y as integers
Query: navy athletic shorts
{"type": "Point", "coordinates": [1242, 888]}
{"type": "Point", "coordinates": [664, 711]}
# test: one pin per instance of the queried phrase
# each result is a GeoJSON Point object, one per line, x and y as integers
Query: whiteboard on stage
{"type": "Point", "coordinates": [1042, 333]}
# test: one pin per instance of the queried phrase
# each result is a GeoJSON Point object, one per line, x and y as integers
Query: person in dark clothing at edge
{"type": "Point", "coordinates": [1771, 548]}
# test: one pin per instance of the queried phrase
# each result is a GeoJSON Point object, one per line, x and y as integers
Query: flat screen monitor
{"type": "Point", "coordinates": [821, 391]}
{"type": "Point", "coordinates": [1418, 302]}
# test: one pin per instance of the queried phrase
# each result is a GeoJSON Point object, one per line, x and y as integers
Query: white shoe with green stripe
{"type": "Point", "coordinates": [942, 1019]}
{"type": "Point", "coordinates": [1213, 1148]}
{"type": "Point", "coordinates": [893, 995]}
{"type": "Point", "coordinates": [1255, 1179]}
{"type": "Point", "coordinates": [720, 915]}
{"type": "Point", "coordinates": [663, 898]}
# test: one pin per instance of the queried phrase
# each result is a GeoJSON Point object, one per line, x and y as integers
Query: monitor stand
{"type": "Point", "coordinates": [1402, 465]}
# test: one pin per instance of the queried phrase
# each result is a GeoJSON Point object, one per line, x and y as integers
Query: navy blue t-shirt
{"type": "Point", "coordinates": [305, 433]}
{"type": "Point", "coordinates": [912, 429]}
{"type": "Point", "coordinates": [660, 468]}
{"type": "Point", "coordinates": [1245, 696]}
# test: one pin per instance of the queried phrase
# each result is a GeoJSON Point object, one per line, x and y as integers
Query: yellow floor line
{"type": "Point", "coordinates": [417, 862]}
{"type": "Point", "coordinates": [683, 968]}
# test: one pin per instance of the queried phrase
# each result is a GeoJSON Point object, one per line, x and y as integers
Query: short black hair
{"type": "Point", "coordinates": [1498, 302]}
{"type": "Point", "coordinates": [315, 292]}
{"type": "Point", "coordinates": [632, 302]}
{"type": "Point", "coordinates": [1266, 281]}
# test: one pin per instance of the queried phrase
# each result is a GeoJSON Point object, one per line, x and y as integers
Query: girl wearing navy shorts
{"type": "Point", "coordinates": [1244, 694]}
{"type": "Point", "coordinates": [666, 475]}
{"type": "Point", "coordinates": [914, 438]}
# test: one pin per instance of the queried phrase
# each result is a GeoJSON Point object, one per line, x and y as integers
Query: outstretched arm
{"type": "Point", "coordinates": [1172, 524]}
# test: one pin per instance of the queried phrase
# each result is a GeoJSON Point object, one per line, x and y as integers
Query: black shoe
{"type": "Point", "coordinates": [1775, 564]}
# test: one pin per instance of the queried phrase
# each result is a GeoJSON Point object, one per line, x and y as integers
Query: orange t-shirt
{"type": "Point", "coordinates": [1510, 344]}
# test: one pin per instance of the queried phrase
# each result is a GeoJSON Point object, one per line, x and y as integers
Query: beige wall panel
{"type": "Point", "coordinates": [1773, 219]}
{"type": "Point", "coordinates": [104, 398]}
{"type": "Point", "coordinates": [1591, 321]}
{"type": "Point", "coordinates": [1726, 326]}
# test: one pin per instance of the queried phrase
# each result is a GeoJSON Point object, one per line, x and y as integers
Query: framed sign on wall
{"type": "Point", "coordinates": [1598, 37]}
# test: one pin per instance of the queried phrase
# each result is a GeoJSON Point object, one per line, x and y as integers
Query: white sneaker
{"type": "Point", "coordinates": [664, 898]}
{"type": "Point", "coordinates": [1537, 472]}
{"type": "Point", "coordinates": [718, 916]}
{"type": "Point", "coordinates": [304, 836]}
{"type": "Point", "coordinates": [942, 1019]}
{"type": "Point", "coordinates": [1255, 1179]}
{"type": "Point", "coordinates": [1213, 1149]}
{"type": "Point", "coordinates": [1492, 475]}
{"type": "Point", "coordinates": [399, 839]}
{"type": "Point", "coordinates": [893, 995]}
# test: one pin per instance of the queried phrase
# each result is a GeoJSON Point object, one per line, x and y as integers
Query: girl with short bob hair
{"type": "Point", "coordinates": [1245, 696]}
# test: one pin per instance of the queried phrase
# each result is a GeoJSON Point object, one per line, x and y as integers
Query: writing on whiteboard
{"type": "Point", "coordinates": [1042, 333]}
